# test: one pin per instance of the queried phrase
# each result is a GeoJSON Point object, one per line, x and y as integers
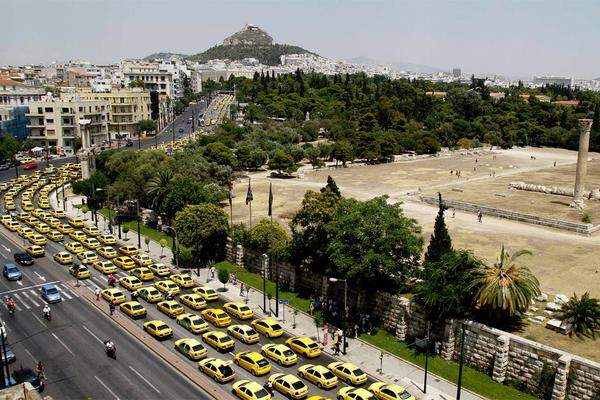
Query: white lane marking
{"type": "Point", "coordinates": [6, 248]}
{"type": "Point", "coordinates": [30, 355]}
{"type": "Point", "coordinates": [66, 288]}
{"type": "Point", "coordinates": [20, 301]}
{"type": "Point", "coordinates": [40, 321]}
{"type": "Point", "coordinates": [33, 294]}
{"type": "Point", "coordinates": [63, 344]}
{"type": "Point", "coordinates": [92, 333]}
{"type": "Point", "coordinates": [63, 292]}
{"type": "Point", "coordinates": [27, 287]}
{"type": "Point", "coordinates": [144, 379]}
{"type": "Point", "coordinates": [106, 387]}
{"type": "Point", "coordinates": [19, 283]}
{"type": "Point", "coordinates": [39, 276]}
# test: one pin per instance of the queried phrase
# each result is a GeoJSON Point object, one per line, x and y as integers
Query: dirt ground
{"type": "Point", "coordinates": [564, 262]}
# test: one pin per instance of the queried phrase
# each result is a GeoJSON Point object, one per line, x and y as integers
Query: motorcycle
{"type": "Point", "coordinates": [111, 351]}
{"type": "Point", "coordinates": [47, 315]}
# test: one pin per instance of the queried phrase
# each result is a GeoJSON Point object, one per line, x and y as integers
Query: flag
{"type": "Point", "coordinates": [270, 199]}
{"type": "Point", "coordinates": [249, 196]}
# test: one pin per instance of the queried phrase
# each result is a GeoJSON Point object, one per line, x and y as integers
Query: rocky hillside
{"type": "Point", "coordinates": [269, 55]}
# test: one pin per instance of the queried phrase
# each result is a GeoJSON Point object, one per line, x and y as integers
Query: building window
{"type": "Point", "coordinates": [48, 109]}
{"type": "Point", "coordinates": [49, 120]}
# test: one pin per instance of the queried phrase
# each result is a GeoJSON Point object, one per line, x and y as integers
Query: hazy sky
{"type": "Point", "coordinates": [516, 38]}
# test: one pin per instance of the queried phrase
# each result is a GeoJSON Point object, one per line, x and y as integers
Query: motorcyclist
{"type": "Point", "coordinates": [110, 347]}
{"type": "Point", "coordinates": [10, 303]}
{"type": "Point", "coordinates": [111, 280]}
{"type": "Point", "coordinates": [269, 388]}
{"type": "Point", "coordinates": [170, 295]}
{"type": "Point", "coordinates": [46, 311]}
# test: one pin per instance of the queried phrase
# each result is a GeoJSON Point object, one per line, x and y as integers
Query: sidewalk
{"type": "Point", "coordinates": [361, 353]}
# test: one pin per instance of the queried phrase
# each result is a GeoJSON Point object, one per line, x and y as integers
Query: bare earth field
{"type": "Point", "coordinates": [564, 262]}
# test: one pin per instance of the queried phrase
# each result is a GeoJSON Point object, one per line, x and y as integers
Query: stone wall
{"type": "Point", "coordinates": [515, 216]}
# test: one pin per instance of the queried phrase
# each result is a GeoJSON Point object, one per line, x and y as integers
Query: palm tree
{"type": "Point", "coordinates": [158, 186]}
{"type": "Point", "coordinates": [505, 286]}
{"type": "Point", "coordinates": [583, 314]}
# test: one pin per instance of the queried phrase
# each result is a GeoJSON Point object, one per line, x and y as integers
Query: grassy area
{"type": "Point", "coordinates": [473, 380]}
{"type": "Point", "coordinates": [255, 281]}
{"type": "Point", "coordinates": [145, 231]}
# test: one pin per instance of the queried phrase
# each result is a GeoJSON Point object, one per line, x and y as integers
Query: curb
{"type": "Point", "coordinates": [205, 384]}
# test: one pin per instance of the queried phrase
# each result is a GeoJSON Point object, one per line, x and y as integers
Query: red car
{"type": "Point", "coordinates": [31, 165]}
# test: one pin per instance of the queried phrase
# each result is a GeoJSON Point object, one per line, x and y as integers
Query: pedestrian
{"type": "Point", "coordinates": [311, 308]}
{"type": "Point", "coordinates": [212, 272]}
{"type": "Point", "coordinates": [39, 369]}
{"type": "Point", "coordinates": [356, 330]}
{"type": "Point", "coordinates": [97, 293]}
{"type": "Point", "coordinates": [241, 288]}
{"type": "Point", "coordinates": [233, 278]}
{"type": "Point", "coordinates": [438, 348]}
{"type": "Point", "coordinates": [555, 163]}
{"type": "Point", "coordinates": [479, 216]}
{"type": "Point", "coordinates": [336, 346]}
{"type": "Point", "coordinates": [134, 295]}
{"type": "Point", "coordinates": [453, 212]}
{"type": "Point", "coordinates": [111, 308]}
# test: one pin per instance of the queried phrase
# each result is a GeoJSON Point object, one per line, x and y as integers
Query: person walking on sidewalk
{"type": "Point", "coordinates": [242, 289]}
{"type": "Point", "coordinates": [212, 272]}
{"type": "Point", "coordinates": [111, 308]}
{"type": "Point", "coordinates": [97, 293]}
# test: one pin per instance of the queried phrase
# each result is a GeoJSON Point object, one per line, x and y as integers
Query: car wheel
{"type": "Point", "coordinates": [280, 362]}
{"type": "Point", "coordinates": [301, 374]}
{"type": "Point", "coordinates": [319, 385]}
{"type": "Point", "coordinates": [340, 398]}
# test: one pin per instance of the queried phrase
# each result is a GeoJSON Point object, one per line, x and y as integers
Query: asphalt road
{"type": "Point", "coordinates": [165, 136]}
{"type": "Point", "coordinates": [70, 346]}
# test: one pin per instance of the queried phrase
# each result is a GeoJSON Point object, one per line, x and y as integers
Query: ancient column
{"type": "Point", "coordinates": [585, 126]}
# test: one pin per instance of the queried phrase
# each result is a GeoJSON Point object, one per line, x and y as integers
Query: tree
{"type": "Point", "coordinates": [158, 187]}
{"type": "Point", "coordinates": [9, 146]}
{"type": "Point", "coordinates": [342, 151]}
{"type": "Point", "coordinates": [125, 231]}
{"type": "Point", "coordinates": [184, 256]}
{"type": "Point", "coordinates": [282, 162]}
{"type": "Point", "coordinates": [223, 276]}
{"type": "Point", "coordinates": [85, 209]}
{"type": "Point", "coordinates": [183, 191]}
{"type": "Point", "coordinates": [331, 186]}
{"type": "Point", "coordinates": [583, 314]}
{"type": "Point", "coordinates": [372, 244]}
{"type": "Point", "coordinates": [444, 288]}
{"type": "Point", "coordinates": [163, 244]}
{"type": "Point", "coordinates": [218, 153]}
{"type": "Point", "coordinates": [267, 237]}
{"type": "Point", "coordinates": [203, 228]}
{"type": "Point", "coordinates": [147, 241]}
{"type": "Point", "coordinates": [440, 242]}
{"type": "Point", "coordinates": [505, 286]}
{"type": "Point", "coordinates": [146, 125]}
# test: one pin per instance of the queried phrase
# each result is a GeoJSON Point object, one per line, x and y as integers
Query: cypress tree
{"type": "Point", "coordinates": [596, 123]}
{"type": "Point", "coordinates": [440, 242]}
{"type": "Point", "coordinates": [331, 185]}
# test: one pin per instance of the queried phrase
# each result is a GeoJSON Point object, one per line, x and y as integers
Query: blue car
{"type": "Point", "coordinates": [11, 272]}
{"type": "Point", "coordinates": [51, 294]}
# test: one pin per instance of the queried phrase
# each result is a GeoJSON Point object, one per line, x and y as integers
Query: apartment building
{"type": "Point", "coordinates": [56, 121]}
{"type": "Point", "coordinates": [16, 94]}
{"type": "Point", "coordinates": [127, 108]}
{"type": "Point", "coordinates": [156, 77]}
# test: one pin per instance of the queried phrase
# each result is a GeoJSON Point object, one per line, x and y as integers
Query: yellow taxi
{"type": "Point", "coordinates": [219, 370]}
{"type": "Point", "coordinates": [160, 269]}
{"type": "Point", "coordinates": [107, 252]}
{"type": "Point", "coordinates": [143, 260]}
{"type": "Point", "coordinates": [59, 214]}
{"type": "Point", "coordinates": [55, 236]}
{"type": "Point", "coordinates": [193, 301]}
{"type": "Point", "coordinates": [128, 250]}
{"type": "Point", "coordinates": [183, 280]}
{"type": "Point", "coordinates": [239, 310]}
{"type": "Point", "coordinates": [76, 222]}
{"type": "Point", "coordinates": [35, 251]}
{"type": "Point", "coordinates": [12, 225]}
{"type": "Point", "coordinates": [64, 228]}
{"type": "Point", "coordinates": [79, 271]}
{"type": "Point", "coordinates": [217, 317]}
{"type": "Point", "coordinates": [170, 307]}
{"type": "Point", "coordinates": [192, 322]}
{"type": "Point", "coordinates": [208, 294]}
{"type": "Point", "coordinates": [105, 267]}
{"type": "Point", "coordinates": [167, 286]}
{"type": "Point", "coordinates": [20, 216]}
{"type": "Point", "coordinates": [385, 391]}
{"type": "Point", "coordinates": [191, 348]}
{"type": "Point", "coordinates": [41, 227]}
{"type": "Point", "coordinates": [91, 243]}
{"type": "Point", "coordinates": [25, 231]}
{"type": "Point", "coordinates": [289, 385]}
{"type": "Point", "coordinates": [150, 294]}
{"type": "Point", "coordinates": [74, 247]}
{"type": "Point", "coordinates": [130, 282]}
{"type": "Point", "coordinates": [36, 238]}
{"type": "Point", "coordinates": [133, 309]}
{"type": "Point", "coordinates": [6, 217]}
{"type": "Point", "coordinates": [87, 257]}
{"type": "Point", "coordinates": [252, 362]}
{"type": "Point", "coordinates": [107, 239]}
{"type": "Point", "coordinates": [304, 345]}
{"type": "Point", "coordinates": [54, 222]}
{"type": "Point", "coordinates": [158, 329]}
{"type": "Point", "coordinates": [124, 262]}
{"type": "Point", "coordinates": [78, 235]}
{"type": "Point", "coordinates": [243, 333]}
{"type": "Point", "coordinates": [10, 206]}
{"type": "Point", "coordinates": [143, 273]}
{"type": "Point", "coordinates": [348, 372]}
{"type": "Point", "coordinates": [280, 353]}
{"type": "Point", "coordinates": [31, 221]}
{"type": "Point", "coordinates": [319, 375]}
{"type": "Point", "coordinates": [352, 393]}
{"type": "Point", "coordinates": [62, 257]}
{"type": "Point", "coordinates": [219, 341]}
{"type": "Point", "coordinates": [250, 390]}
{"type": "Point", "coordinates": [91, 231]}
{"type": "Point", "coordinates": [26, 205]}
{"type": "Point", "coordinates": [268, 327]}
{"type": "Point", "coordinates": [113, 295]}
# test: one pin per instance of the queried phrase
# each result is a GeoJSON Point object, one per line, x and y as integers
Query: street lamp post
{"type": "Point", "coordinates": [137, 203]}
{"type": "Point", "coordinates": [118, 219]}
{"type": "Point", "coordinates": [461, 361]}
{"type": "Point", "coordinates": [345, 309]}
{"type": "Point", "coordinates": [265, 258]}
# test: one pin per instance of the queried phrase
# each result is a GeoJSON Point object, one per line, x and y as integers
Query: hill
{"type": "Point", "coordinates": [269, 54]}
{"type": "Point", "coordinates": [163, 56]}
